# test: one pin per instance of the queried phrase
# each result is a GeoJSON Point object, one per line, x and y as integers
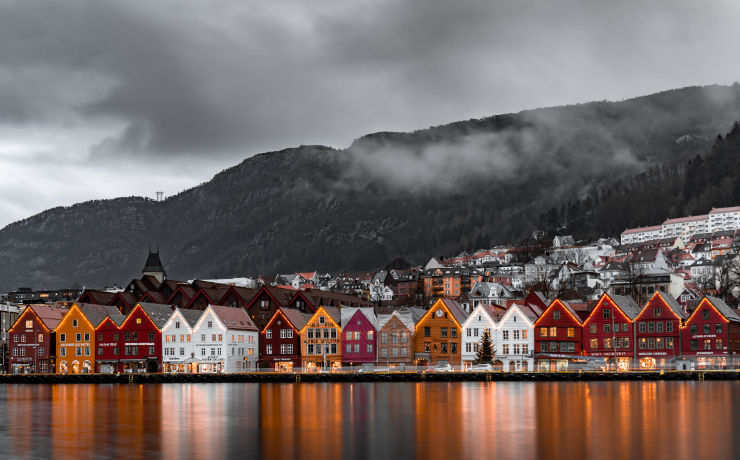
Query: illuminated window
{"type": "Point", "coordinates": [29, 324]}
{"type": "Point", "coordinates": [718, 344]}
{"type": "Point", "coordinates": [553, 332]}
{"type": "Point", "coordinates": [669, 342]}
{"type": "Point", "coordinates": [594, 344]}
{"type": "Point", "coordinates": [571, 332]}
{"type": "Point", "coordinates": [608, 342]}
{"type": "Point", "coordinates": [543, 332]}
{"type": "Point", "coordinates": [707, 344]}
{"type": "Point", "coordinates": [138, 320]}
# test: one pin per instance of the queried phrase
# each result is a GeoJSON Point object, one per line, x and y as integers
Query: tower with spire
{"type": "Point", "coordinates": [154, 266]}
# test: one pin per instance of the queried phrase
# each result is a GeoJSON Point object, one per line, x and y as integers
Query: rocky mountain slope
{"type": "Point", "coordinates": [431, 192]}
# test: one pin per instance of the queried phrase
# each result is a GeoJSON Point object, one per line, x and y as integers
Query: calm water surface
{"type": "Point", "coordinates": [391, 420]}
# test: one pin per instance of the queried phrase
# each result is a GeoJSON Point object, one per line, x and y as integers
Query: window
{"type": "Point", "coordinates": [384, 352]}
{"type": "Point", "coordinates": [607, 327]}
{"type": "Point", "coordinates": [309, 333]}
{"type": "Point", "coordinates": [553, 332]}
{"type": "Point", "coordinates": [290, 348]}
{"type": "Point", "coordinates": [524, 333]}
{"type": "Point", "coordinates": [322, 320]}
{"type": "Point", "coordinates": [115, 336]}
{"type": "Point", "coordinates": [669, 342]}
{"type": "Point", "coordinates": [115, 351]}
{"type": "Point", "coordinates": [669, 326]}
{"type": "Point", "coordinates": [427, 331]}
{"type": "Point", "coordinates": [427, 347]}
{"type": "Point", "coordinates": [283, 333]}
{"type": "Point", "coordinates": [443, 331]}
{"type": "Point", "coordinates": [656, 312]}
{"type": "Point", "coordinates": [289, 333]}
{"type": "Point", "coordinates": [334, 348]}
{"type": "Point", "coordinates": [177, 324]}
{"type": "Point", "coordinates": [87, 336]}
{"type": "Point", "coordinates": [659, 326]}
{"type": "Point", "coordinates": [63, 337]}
{"type": "Point", "coordinates": [220, 337]}
{"type": "Point", "coordinates": [505, 335]}
{"type": "Point", "coordinates": [543, 332]}
{"type": "Point", "coordinates": [370, 335]}
{"type": "Point", "coordinates": [453, 332]}
{"type": "Point", "coordinates": [384, 337]}
{"type": "Point", "coordinates": [525, 349]}
{"type": "Point", "coordinates": [309, 350]}
{"type": "Point", "coordinates": [182, 351]}
{"type": "Point", "coordinates": [370, 348]}
{"type": "Point", "coordinates": [29, 324]}
{"type": "Point", "coordinates": [23, 337]}
{"type": "Point", "coordinates": [707, 329]}
{"type": "Point", "coordinates": [693, 329]}
{"type": "Point", "coordinates": [543, 346]}
{"type": "Point", "coordinates": [516, 335]}
{"type": "Point", "coordinates": [705, 314]}
{"type": "Point", "coordinates": [202, 337]}
{"type": "Point", "coordinates": [468, 347]}
{"type": "Point", "coordinates": [469, 332]}
{"type": "Point", "coordinates": [556, 315]}
{"type": "Point", "coordinates": [651, 343]}
{"type": "Point", "coordinates": [625, 342]}
{"type": "Point", "coordinates": [553, 346]}
{"type": "Point", "coordinates": [707, 344]}
{"type": "Point", "coordinates": [283, 349]}
{"type": "Point", "coordinates": [74, 323]}
{"type": "Point", "coordinates": [624, 327]}
{"type": "Point", "coordinates": [357, 348]}
{"type": "Point", "coordinates": [651, 326]}
{"type": "Point", "coordinates": [592, 328]}
{"type": "Point", "coordinates": [62, 351]}
{"type": "Point", "coordinates": [694, 344]}
{"type": "Point", "coordinates": [349, 348]}
{"type": "Point", "coordinates": [606, 313]}
{"type": "Point", "coordinates": [505, 348]}
{"type": "Point", "coordinates": [717, 328]}
{"type": "Point", "coordinates": [138, 320]}
{"type": "Point", "coordinates": [571, 332]}
{"type": "Point", "coordinates": [718, 344]}
{"type": "Point", "coordinates": [78, 337]}
{"type": "Point", "coordinates": [659, 343]}
{"type": "Point", "coordinates": [134, 336]}
{"type": "Point", "coordinates": [213, 337]}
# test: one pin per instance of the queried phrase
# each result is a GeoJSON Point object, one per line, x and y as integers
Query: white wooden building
{"type": "Point", "coordinates": [483, 317]}
{"type": "Point", "coordinates": [225, 340]}
{"type": "Point", "coordinates": [178, 347]}
{"type": "Point", "coordinates": [515, 339]}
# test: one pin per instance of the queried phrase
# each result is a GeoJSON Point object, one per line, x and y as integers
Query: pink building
{"type": "Point", "coordinates": [359, 335]}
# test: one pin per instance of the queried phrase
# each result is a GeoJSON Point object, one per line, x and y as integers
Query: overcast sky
{"type": "Point", "coordinates": [101, 99]}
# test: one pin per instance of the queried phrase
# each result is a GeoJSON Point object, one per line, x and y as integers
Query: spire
{"type": "Point", "coordinates": [154, 266]}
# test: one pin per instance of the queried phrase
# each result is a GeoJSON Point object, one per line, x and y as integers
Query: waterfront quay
{"type": "Point", "coordinates": [340, 377]}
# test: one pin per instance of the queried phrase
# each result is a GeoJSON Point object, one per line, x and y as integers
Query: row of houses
{"type": "Point", "coordinates": [718, 219]}
{"type": "Point", "coordinates": [616, 333]}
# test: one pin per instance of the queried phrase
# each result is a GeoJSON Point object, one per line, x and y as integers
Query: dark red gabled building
{"type": "Point", "coordinates": [124, 301]}
{"type": "Point", "coordinates": [108, 351]}
{"type": "Point", "coordinates": [659, 332]}
{"type": "Point", "coordinates": [31, 340]}
{"type": "Point", "coordinates": [280, 340]}
{"type": "Point", "coordinates": [140, 338]}
{"type": "Point", "coordinates": [266, 302]}
{"type": "Point", "coordinates": [181, 296]}
{"type": "Point", "coordinates": [204, 297]}
{"type": "Point", "coordinates": [237, 296]}
{"type": "Point", "coordinates": [609, 331]}
{"type": "Point", "coordinates": [558, 335]}
{"type": "Point", "coordinates": [710, 337]}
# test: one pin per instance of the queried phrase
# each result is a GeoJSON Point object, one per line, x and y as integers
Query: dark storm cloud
{"type": "Point", "coordinates": [213, 81]}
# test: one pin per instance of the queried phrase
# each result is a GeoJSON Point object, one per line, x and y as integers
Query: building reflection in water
{"type": "Point", "coordinates": [390, 420]}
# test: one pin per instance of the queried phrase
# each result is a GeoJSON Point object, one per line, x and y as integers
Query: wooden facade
{"type": "Point", "coordinates": [609, 331]}
{"type": "Point", "coordinates": [711, 335]}
{"type": "Point", "coordinates": [438, 334]}
{"type": "Point", "coordinates": [558, 334]}
{"type": "Point", "coordinates": [321, 341]}
{"type": "Point", "coordinates": [280, 340]}
{"type": "Point", "coordinates": [32, 342]}
{"type": "Point", "coordinates": [658, 332]}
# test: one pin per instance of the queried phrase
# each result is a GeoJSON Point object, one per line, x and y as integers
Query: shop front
{"type": "Point", "coordinates": [107, 367]}
{"type": "Point", "coordinates": [134, 366]}
{"type": "Point", "coordinates": [655, 360]}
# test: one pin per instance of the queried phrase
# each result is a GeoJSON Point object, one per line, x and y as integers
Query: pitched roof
{"type": "Point", "coordinates": [96, 314]}
{"type": "Point", "coordinates": [653, 228]}
{"type": "Point", "coordinates": [334, 313]}
{"type": "Point", "coordinates": [627, 305]}
{"type": "Point", "coordinates": [191, 316]}
{"type": "Point", "coordinates": [723, 308]}
{"type": "Point", "coordinates": [50, 315]}
{"type": "Point", "coordinates": [495, 312]}
{"type": "Point", "coordinates": [672, 304]}
{"type": "Point", "coordinates": [297, 318]}
{"type": "Point", "coordinates": [234, 318]}
{"type": "Point", "coordinates": [718, 210]}
{"type": "Point", "coordinates": [455, 309]}
{"type": "Point", "coordinates": [527, 311]}
{"type": "Point", "coordinates": [158, 313]}
{"type": "Point", "coordinates": [348, 312]}
{"type": "Point", "coordinates": [679, 220]}
{"type": "Point", "coordinates": [100, 297]}
{"type": "Point", "coordinates": [405, 316]}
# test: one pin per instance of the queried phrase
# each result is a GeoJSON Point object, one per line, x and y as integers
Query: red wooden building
{"type": "Point", "coordinates": [609, 331]}
{"type": "Point", "coordinates": [558, 334]}
{"type": "Point", "coordinates": [108, 351]}
{"type": "Point", "coordinates": [711, 335]}
{"type": "Point", "coordinates": [280, 340]}
{"type": "Point", "coordinates": [266, 302]}
{"type": "Point", "coordinates": [658, 331]}
{"type": "Point", "coordinates": [140, 338]}
{"type": "Point", "coordinates": [32, 343]}
{"type": "Point", "coordinates": [359, 336]}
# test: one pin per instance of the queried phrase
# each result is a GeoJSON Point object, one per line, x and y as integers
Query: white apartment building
{"type": "Point", "coordinates": [638, 235]}
{"type": "Point", "coordinates": [724, 219]}
{"type": "Point", "coordinates": [685, 227]}
{"type": "Point", "coordinates": [225, 340]}
{"type": "Point", "coordinates": [178, 348]}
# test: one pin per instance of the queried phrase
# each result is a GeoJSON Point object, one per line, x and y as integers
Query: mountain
{"type": "Point", "coordinates": [413, 195]}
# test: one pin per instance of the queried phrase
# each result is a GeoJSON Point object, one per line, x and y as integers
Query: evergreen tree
{"type": "Point", "coordinates": [485, 349]}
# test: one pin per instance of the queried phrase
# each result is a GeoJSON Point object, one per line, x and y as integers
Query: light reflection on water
{"type": "Point", "coordinates": [364, 420]}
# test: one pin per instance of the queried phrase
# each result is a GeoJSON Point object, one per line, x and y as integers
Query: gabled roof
{"type": "Point", "coordinates": [578, 318]}
{"type": "Point", "coordinates": [96, 314]}
{"type": "Point", "coordinates": [524, 310]}
{"type": "Point", "coordinates": [731, 209]}
{"type": "Point", "coordinates": [626, 304]}
{"type": "Point", "coordinates": [318, 297]}
{"type": "Point", "coordinates": [191, 316]}
{"type": "Point", "coordinates": [280, 296]}
{"type": "Point", "coordinates": [98, 297]}
{"type": "Point", "coordinates": [157, 313]}
{"type": "Point", "coordinates": [723, 308]}
{"type": "Point", "coordinates": [680, 220]}
{"type": "Point", "coordinates": [333, 312]}
{"type": "Point", "coordinates": [244, 293]}
{"type": "Point", "coordinates": [670, 301]}
{"type": "Point", "coordinates": [49, 315]}
{"type": "Point", "coordinates": [297, 318]}
{"type": "Point", "coordinates": [152, 297]}
{"type": "Point", "coordinates": [234, 318]}
{"type": "Point", "coordinates": [348, 312]}
{"type": "Point", "coordinates": [453, 307]}
{"type": "Point", "coordinates": [406, 316]}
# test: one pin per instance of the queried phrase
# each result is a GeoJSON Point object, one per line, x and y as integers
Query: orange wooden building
{"type": "Point", "coordinates": [75, 344]}
{"type": "Point", "coordinates": [321, 340]}
{"type": "Point", "coordinates": [438, 334]}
